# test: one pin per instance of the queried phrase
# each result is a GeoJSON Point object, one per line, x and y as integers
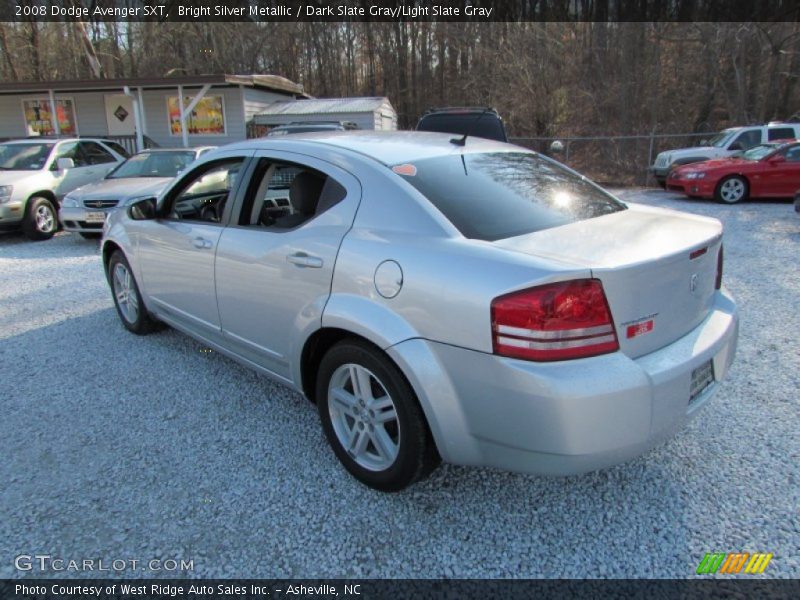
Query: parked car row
{"type": "Point", "coordinates": [737, 164]}
{"type": "Point", "coordinates": [77, 181]}
{"type": "Point", "coordinates": [308, 257]}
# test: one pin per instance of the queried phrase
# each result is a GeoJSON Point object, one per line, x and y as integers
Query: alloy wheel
{"type": "Point", "coordinates": [364, 417]}
{"type": "Point", "coordinates": [732, 190]}
{"type": "Point", "coordinates": [125, 293]}
{"type": "Point", "coordinates": [45, 219]}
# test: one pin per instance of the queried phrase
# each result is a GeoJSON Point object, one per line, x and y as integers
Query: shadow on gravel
{"type": "Point", "coordinates": [63, 245]}
{"type": "Point", "coordinates": [157, 447]}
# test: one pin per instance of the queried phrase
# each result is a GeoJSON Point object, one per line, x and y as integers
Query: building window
{"type": "Point", "coordinates": [206, 118]}
{"type": "Point", "coordinates": [39, 116]}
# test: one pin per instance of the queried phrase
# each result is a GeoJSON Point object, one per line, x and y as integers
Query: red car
{"type": "Point", "coordinates": [769, 170]}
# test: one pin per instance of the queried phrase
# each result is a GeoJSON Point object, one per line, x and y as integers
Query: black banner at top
{"type": "Point", "coordinates": [398, 10]}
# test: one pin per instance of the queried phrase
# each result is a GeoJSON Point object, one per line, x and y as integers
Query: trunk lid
{"type": "Point", "coordinates": [658, 268]}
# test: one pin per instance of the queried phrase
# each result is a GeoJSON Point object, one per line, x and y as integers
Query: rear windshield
{"type": "Point", "coordinates": [488, 126]}
{"type": "Point", "coordinates": [497, 195]}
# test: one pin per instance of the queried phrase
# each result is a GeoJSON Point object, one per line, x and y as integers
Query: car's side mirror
{"type": "Point", "coordinates": [736, 146]}
{"type": "Point", "coordinates": [143, 210]}
{"type": "Point", "coordinates": [65, 163]}
{"type": "Point", "coordinates": [776, 158]}
{"type": "Point", "coordinates": [704, 142]}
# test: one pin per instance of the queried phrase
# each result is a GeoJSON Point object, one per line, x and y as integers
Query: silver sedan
{"type": "Point", "coordinates": [144, 174]}
{"type": "Point", "coordinates": [436, 297]}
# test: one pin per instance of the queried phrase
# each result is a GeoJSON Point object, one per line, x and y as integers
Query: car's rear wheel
{"type": "Point", "coordinates": [90, 236]}
{"type": "Point", "coordinates": [41, 220]}
{"type": "Point", "coordinates": [372, 419]}
{"type": "Point", "coordinates": [732, 189]}
{"type": "Point", "coordinates": [127, 298]}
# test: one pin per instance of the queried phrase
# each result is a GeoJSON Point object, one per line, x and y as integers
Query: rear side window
{"type": "Point", "coordinates": [488, 126]}
{"type": "Point", "coordinates": [496, 195]}
{"type": "Point", "coordinates": [780, 133]}
{"type": "Point", "coordinates": [117, 148]}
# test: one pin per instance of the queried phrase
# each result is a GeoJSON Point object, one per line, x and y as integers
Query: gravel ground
{"type": "Point", "coordinates": [126, 447]}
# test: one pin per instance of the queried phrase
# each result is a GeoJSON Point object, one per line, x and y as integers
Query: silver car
{"type": "Point", "coordinates": [437, 298]}
{"type": "Point", "coordinates": [143, 175]}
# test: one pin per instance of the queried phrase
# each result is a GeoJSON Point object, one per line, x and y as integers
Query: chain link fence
{"type": "Point", "coordinates": [618, 160]}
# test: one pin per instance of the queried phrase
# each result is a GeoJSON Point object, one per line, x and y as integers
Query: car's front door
{"type": "Point", "coordinates": [176, 250]}
{"type": "Point", "coordinates": [782, 178]}
{"type": "Point", "coordinates": [75, 176]}
{"type": "Point", "coordinates": [275, 263]}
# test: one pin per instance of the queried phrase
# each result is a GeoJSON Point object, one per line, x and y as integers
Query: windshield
{"type": "Point", "coordinates": [24, 157]}
{"type": "Point", "coordinates": [496, 195]}
{"type": "Point", "coordinates": [721, 138]}
{"type": "Point", "coordinates": [759, 152]}
{"type": "Point", "coordinates": [153, 164]}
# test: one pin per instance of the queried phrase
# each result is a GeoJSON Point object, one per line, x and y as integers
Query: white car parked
{"type": "Point", "coordinates": [143, 175]}
{"type": "Point", "coordinates": [722, 145]}
{"type": "Point", "coordinates": [35, 174]}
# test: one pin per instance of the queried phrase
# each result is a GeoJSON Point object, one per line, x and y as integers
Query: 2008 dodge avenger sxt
{"type": "Point", "coordinates": [436, 297]}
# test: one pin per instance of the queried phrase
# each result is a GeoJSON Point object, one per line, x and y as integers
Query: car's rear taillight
{"type": "Point", "coordinates": [718, 283]}
{"type": "Point", "coordinates": [557, 321]}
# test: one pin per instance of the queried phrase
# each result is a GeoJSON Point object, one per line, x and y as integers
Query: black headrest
{"type": "Point", "coordinates": [305, 190]}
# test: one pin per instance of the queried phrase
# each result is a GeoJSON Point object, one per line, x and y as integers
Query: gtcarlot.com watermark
{"type": "Point", "coordinates": [47, 563]}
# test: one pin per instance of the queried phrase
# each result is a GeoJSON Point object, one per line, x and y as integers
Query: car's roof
{"type": "Point", "coordinates": [387, 147]}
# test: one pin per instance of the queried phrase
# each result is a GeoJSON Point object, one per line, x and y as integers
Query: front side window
{"type": "Point", "coordinates": [793, 153]}
{"type": "Point", "coordinates": [496, 195]}
{"type": "Point", "coordinates": [748, 139]}
{"type": "Point", "coordinates": [70, 150]}
{"type": "Point", "coordinates": [153, 164]}
{"type": "Point", "coordinates": [204, 195]}
{"type": "Point", "coordinates": [24, 157]}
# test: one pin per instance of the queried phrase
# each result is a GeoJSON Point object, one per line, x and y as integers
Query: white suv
{"type": "Point", "coordinates": [36, 173]}
{"type": "Point", "coordinates": [722, 145]}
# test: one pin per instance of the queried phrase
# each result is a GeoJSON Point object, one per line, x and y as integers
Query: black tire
{"type": "Point", "coordinates": [724, 191]}
{"type": "Point", "coordinates": [416, 452]}
{"type": "Point", "coordinates": [90, 236]}
{"type": "Point", "coordinates": [142, 323]}
{"type": "Point", "coordinates": [41, 219]}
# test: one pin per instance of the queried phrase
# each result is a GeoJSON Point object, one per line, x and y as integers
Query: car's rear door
{"type": "Point", "coordinates": [273, 272]}
{"type": "Point", "coordinates": [176, 250]}
{"type": "Point", "coordinates": [784, 177]}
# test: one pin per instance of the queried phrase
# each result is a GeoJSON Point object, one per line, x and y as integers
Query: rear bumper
{"type": "Point", "coordinates": [565, 417]}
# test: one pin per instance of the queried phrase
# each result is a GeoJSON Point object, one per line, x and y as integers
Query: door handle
{"type": "Point", "coordinates": [201, 242]}
{"type": "Point", "coordinates": [301, 259]}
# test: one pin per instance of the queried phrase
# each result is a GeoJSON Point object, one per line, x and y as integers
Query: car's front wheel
{"type": "Point", "coordinates": [127, 298]}
{"type": "Point", "coordinates": [732, 189]}
{"type": "Point", "coordinates": [41, 219]}
{"type": "Point", "coordinates": [372, 419]}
